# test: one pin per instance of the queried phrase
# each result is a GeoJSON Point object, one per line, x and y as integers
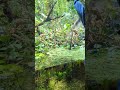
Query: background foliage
{"type": "Point", "coordinates": [57, 45]}
{"type": "Point", "coordinates": [56, 33]}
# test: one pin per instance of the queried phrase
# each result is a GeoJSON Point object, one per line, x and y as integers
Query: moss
{"type": "Point", "coordinates": [15, 77]}
{"type": "Point", "coordinates": [54, 84]}
{"type": "Point", "coordinates": [60, 56]}
{"type": "Point", "coordinates": [68, 76]}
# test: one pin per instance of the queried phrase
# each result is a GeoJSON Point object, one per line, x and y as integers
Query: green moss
{"type": "Point", "coordinates": [60, 56]}
{"type": "Point", "coordinates": [54, 84]}
{"type": "Point", "coordinates": [9, 70]}
{"type": "Point", "coordinates": [2, 61]}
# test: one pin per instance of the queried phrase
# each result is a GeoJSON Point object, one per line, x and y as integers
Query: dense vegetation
{"type": "Point", "coordinates": [102, 40]}
{"type": "Point", "coordinates": [16, 44]}
{"type": "Point", "coordinates": [58, 43]}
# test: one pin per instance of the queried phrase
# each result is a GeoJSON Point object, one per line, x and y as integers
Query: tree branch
{"type": "Point", "coordinates": [48, 19]}
{"type": "Point", "coordinates": [48, 16]}
{"type": "Point", "coordinates": [51, 10]}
